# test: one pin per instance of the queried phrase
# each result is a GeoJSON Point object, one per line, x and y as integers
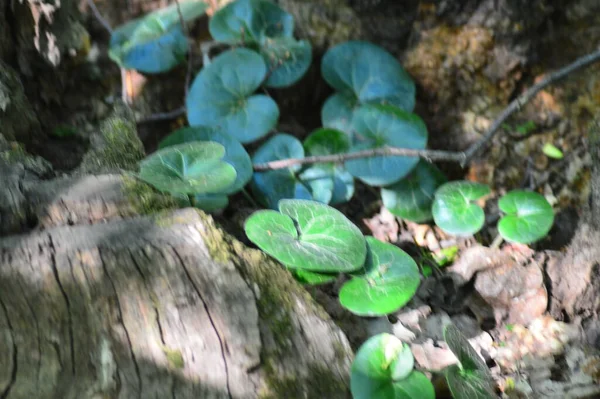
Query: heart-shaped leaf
{"type": "Point", "coordinates": [308, 235]}
{"type": "Point", "coordinates": [287, 59]}
{"type": "Point", "coordinates": [390, 280]}
{"type": "Point", "coordinates": [191, 168]}
{"type": "Point", "coordinates": [154, 43]}
{"type": "Point", "coordinates": [528, 218]}
{"type": "Point", "coordinates": [274, 185]}
{"type": "Point", "coordinates": [250, 21]}
{"type": "Point", "coordinates": [383, 369]}
{"type": "Point", "coordinates": [338, 111]}
{"type": "Point", "coordinates": [235, 154]}
{"type": "Point", "coordinates": [453, 208]}
{"type": "Point", "coordinates": [221, 96]}
{"type": "Point", "coordinates": [378, 126]}
{"type": "Point", "coordinates": [312, 278]}
{"type": "Point", "coordinates": [369, 73]}
{"type": "Point", "coordinates": [329, 183]}
{"type": "Point", "coordinates": [411, 197]}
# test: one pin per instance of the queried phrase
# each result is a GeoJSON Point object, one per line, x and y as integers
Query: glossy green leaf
{"type": "Point", "coordinates": [250, 21]}
{"type": "Point", "coordinates": [369, 73]}
{"type": "Point", "coordinates": [378, 126]}
{"type": "Point", "coordinates": [287, 60]}
{"type": "Point", "coordinates": [154, 43]}
{"type": "Point", "coordinates": [454, 210]}
{"type": "Point", "coordinates": [383, 369]}
{"type": "Point", "coordinates": [338, 111]}
{"type": "Point", "coordinates": [271, 186]}
{"type": "Point", "coordinates": [313, 278]}
{"type": "Point", "coordinates": [469, 384]}
{"type": "Point", "coordinates": [529, 216]}
{"type": "Point", "coordinates": [191, 168]}
{"type": "Point", "coordinates": [308, 235]}
{"type": "Point", "coordinates": [235, 153]}
{"type": "Point", "coordinates": [211, 202]}
{"type": "Point", "coordinates": [411, 198]}
{"type": "Point", "coordinates": [328, 182]}
{"type": "Point", "coordinates": [221, 96]}
{"type": "Point", "coordinates": [390, 279]}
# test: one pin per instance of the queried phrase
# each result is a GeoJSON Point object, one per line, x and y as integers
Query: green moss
{"type": "Point", "coordinates": [121, 148]}
{"type": "Point", "coordinates": [319, 382]}
{"type": "Point", "coordinates": [144, 199]}
{"type": "Point", "coordinates": [174, 357]}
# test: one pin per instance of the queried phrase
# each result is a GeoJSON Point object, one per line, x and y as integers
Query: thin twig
{"type": "Point", "coordinates": [524, 98]}
{"type": "Point", "coordinates": [99, 17]}
{"type": "Point", "coordinates": [163, 116]}
{"type": "Point", "coordinates": [430, 155]}
{"type": "Point", "coordinates": [461, 157]}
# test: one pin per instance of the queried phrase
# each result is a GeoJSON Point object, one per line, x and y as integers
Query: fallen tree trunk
{"type": "Point", "coordinates": [152, 306]}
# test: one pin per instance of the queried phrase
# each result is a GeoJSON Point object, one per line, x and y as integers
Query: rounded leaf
{"type": "Point", "coordinates": [529, 216]}
{"type": "Point", "coordinates": [411, 197]}
{"type": "Point", "coordinates": [338, 111]}
{"type": "Point", "coordinates": [453, 208]}
{"type": "Point", "coordinates": [378, 126]}
{"type": "Point", "coordinates": [211, 202]}
{"type": "Point", "coordinates": [154, 43]}
{"type": "Point", "coordinates": [249, 21]}
{"type": "Point", "coordinates": [368, 72]}
{"type": "Point", "coordinates": [328, 182]}
{"type": "Point", "coordinates": [191, 168]}
{"type": "Point", "coordinates": [469, 384]}
{"type": "Point", "coordinates": [390, 279]}
{"type": "Point", "coordinates": [308, 235]}
{"type": "Point", "coordinates": [383, 369]}
{"type": "Point", "coordinates": [221, 96]}
{"type": "Point", "coordinates": [287, 60]}
{"type": "Point", "coordinates": [274, 185]}
{"type": "Point", "coordinates": [235, 153]}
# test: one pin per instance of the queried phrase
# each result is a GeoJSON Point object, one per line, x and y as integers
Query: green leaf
{"type": "Point", "coordinates": [308, 235]}
{"type": "Point", "coordinates": [211, 202]}
{"type": "Point", "coordinates": [529, 216]}
{"type": "Point", "coordinates": [369, 73]}
{"type": "Point", "coordinates": [250, 21]}
{"type": "Point", "coordinates": [378, 126]}
{"type": "Point", "coordinates": [328, 182]}
{"type": "Point", "coordinates": [469, 384]}
{"type": "Point", "coordinates": [453, 208]}
{"type": "Point", "coordinates": [411, 198]}
{"type": "Point", "coordinates": [221, 96]}
{"type": "Point", "coordinates": [552, 152]}
{"type": "Point", "coordinates": [390, 279]}
{"type": "Point", "coordinates": [274, 185]}
{"type": "Point", "coordinates": [338, 111]}
{"type": "Point", "coordinates": [312, 278]}
{"type": "Point", "coordinates": [383, 369]}
{"type": "Point", "coordinates": [191, 168]}
{"type": "Point", "coordinates": [462, 349]}
{"type": "Point", "coordinates": [287, 59]}
{"type": "Point", "coordinates": [235, 154]}
{"type": "Point", "coordinates": [154, 43]}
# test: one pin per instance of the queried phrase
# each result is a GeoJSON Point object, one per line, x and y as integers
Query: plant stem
{"type": "Point", "coordinates": [497, 242]}
{"type": "Point", "coordinates": [249, 198]}
{"type": "Point", "coordinates": [461, 157]}
{"type": "Point", "coordinates": [163, 116]}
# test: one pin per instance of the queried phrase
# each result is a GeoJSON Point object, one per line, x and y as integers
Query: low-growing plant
{"type": "Point", "coordinates": [369, 112]}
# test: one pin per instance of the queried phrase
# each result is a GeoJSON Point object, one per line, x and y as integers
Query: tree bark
{"type": "Point", "coordinates": [167, 306]}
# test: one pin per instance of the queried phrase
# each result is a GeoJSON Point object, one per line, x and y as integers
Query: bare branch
{"type": "Point", "coordinates": [430, 155]}
{"type": "Point", "coordinates": [99, 17]}
{"type": "Point", "coordinates": [524, 98]}
{"type": "Point", "coordinates": [461, 157]}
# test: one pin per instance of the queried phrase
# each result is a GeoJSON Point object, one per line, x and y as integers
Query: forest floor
{"type": "Point", "coordinates": [504, 309]}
